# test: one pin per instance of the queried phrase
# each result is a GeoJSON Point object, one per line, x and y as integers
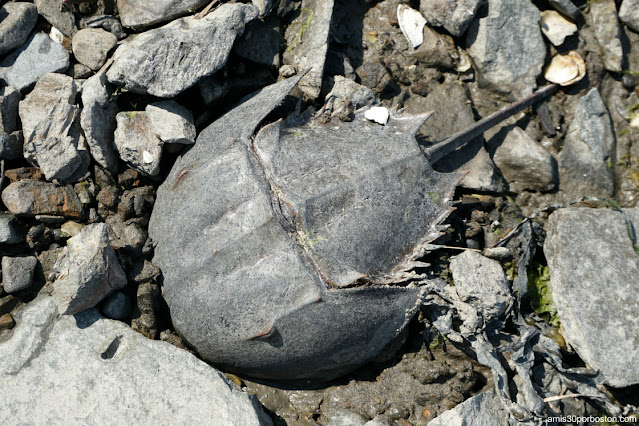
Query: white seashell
{"type": "Point", "coordinates": [566, 69]}
{"type": "Point", "coordinates": [147, 157]}
{"type": "Point", "coordinates": [555, 27]}
{"type": "Point", "coordinates": [377, 114]}
{"type": "Point", "coordinates": [411, 22]}
{"type": "Point", "coordinates": [56, 35]}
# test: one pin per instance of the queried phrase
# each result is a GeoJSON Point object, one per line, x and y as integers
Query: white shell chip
{"type": "Point", "coordinates": [56, 35]}
{"type": "Point", "coordinates": [377, 114]}
{"type": "Point", "coordinates": [412, 23]}
{"type": "Point", "coordinates": [555, 27]}
{"type": "Point", "coordinates": [147, 157]}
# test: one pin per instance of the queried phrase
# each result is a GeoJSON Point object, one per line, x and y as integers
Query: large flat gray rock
{"type": "Point", "coordinates": [16, 22]}
{"type": "Point", "coordinates": [167, 60]}
{"type": "Point", "coordinates": [507, 46]}
{"type": "Point", "coordinates": [594, 273]}
{"type": "Point", "coordinates": [85, 369]}
{"type": "Point", "coordinates": [38, 56]}
{"type": "Point", "coordinates": [142, 13]}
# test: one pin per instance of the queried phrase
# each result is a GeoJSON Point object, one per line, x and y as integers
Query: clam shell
{"type": "Point", "coordinates": [566, 69]}
{"type": "Point", "coordinates": [412, 23]}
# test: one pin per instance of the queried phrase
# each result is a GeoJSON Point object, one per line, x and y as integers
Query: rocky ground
{"type": "Point", "coordinates": [299, 241]}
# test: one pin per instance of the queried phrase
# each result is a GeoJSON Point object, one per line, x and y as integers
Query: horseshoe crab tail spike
{"type": "Point", "coordinates": [410, 123]}
{"type": "Point", "coordinates": [448, 145]}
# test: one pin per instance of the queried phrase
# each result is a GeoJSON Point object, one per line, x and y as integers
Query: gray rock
{"type": "Point", "coordinates": [473, 160]}
{"type": "Point", "coordinates": [9, 100]}
{"type": "Point", "coordinates": [92, 45]}
{"type": "Point", "coordinates": [567, 8]}
{"type": "Point", "coordinates": [11, 145]}
{"type": "Point", "coordinates": [524, 163]}
{"type": "Point", "coordinates": [588, 154]}
{"type": "Point", "coordinates": [501, 254]}
{"type": "Point", "coordinates": [453, 15]}
{"type": "Point", "coordinates": [605, 25]}
{"type": "Point", "coordinates": [171, 122]}
{"type": "Point", "coordinates": [17, 272]}
{"type": "Point", "coordinates": [264, 6]}
{"type": "Point", "coordinates": [136, 142]}
{"type": "Point", "coordinates": [33, 197]}
{"type": "Point", "coordinates": [17, 19]}
{"type": "Point", "coordinates": [594, 272]}
{"type": "Point", "coordinates": [117, 306]}
{"type": "Point", "coordinates": [140, 13]}
{"type": "Point", "coordinates": [484, 409]}
{"type": "Point", "coordinates": [507, 47]}
{"type": "Point", "coordinates": [134, 236]}
{"type": "Point", "coordinates": [79, 71]}
{"type": "Point", "coordinates": [481, 282]}
{"type": "Point", "coordinates": [260, 42]}
{"type": "Point", "coordinates": [106, 22]}
{"type": "Point", "coordinates": [98, 121]}
{"type": "Point", "coordinates": [9, 232]}
{"type": "Point", "coordinates": [275, 315]}
{"type": "Point", "coordinates": [157, 63]}
{"type": "Point", "coordinates": [346, 96]}
{"type": "Point", "coordinates": [629, 14]}
{"type": "Point", "coordinates": [453, 113]}
{"type": "Point", "coordinates": [86, 271]}
{"type": "Point", "coordinates": [307, 43]}
{"type": "Point", "coordinates": [435, 51]}
{"type": "Point", "coordinates": [38, 56]}
{"type": "Point", "coordinates": [52, 137]}
{"type": "Point", "coordinates": [142, 271]}
{"type": "Point", "coordinates": [88, 367]}
{"type": "Point", "coordinates": [61, 18]}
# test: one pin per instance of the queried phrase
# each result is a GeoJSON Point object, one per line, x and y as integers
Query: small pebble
{"type": "Point", "coordinates": [17, 272]}
{"type": "Point", "coordinates": [6, 322]}
{"type": "Point", "coordinates": [501, 254]}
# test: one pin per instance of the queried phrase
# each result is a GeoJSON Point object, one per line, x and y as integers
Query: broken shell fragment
{"type": "Point", "coordinates": [378, 115]}
{"type": "Point", "coordinates": [464, 63]}
{"type": "Point", "coordinates": [566, 69]}
{"type": "Point", "coordinates": [555, 27]}
{"type": "Point", "coordinates": [289, 253]}
{"type": "Point", "coordinates": [412, 23]}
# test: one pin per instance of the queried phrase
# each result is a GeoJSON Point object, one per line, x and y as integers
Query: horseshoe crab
{"type": "Point", "coordinates": [289, 254]}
